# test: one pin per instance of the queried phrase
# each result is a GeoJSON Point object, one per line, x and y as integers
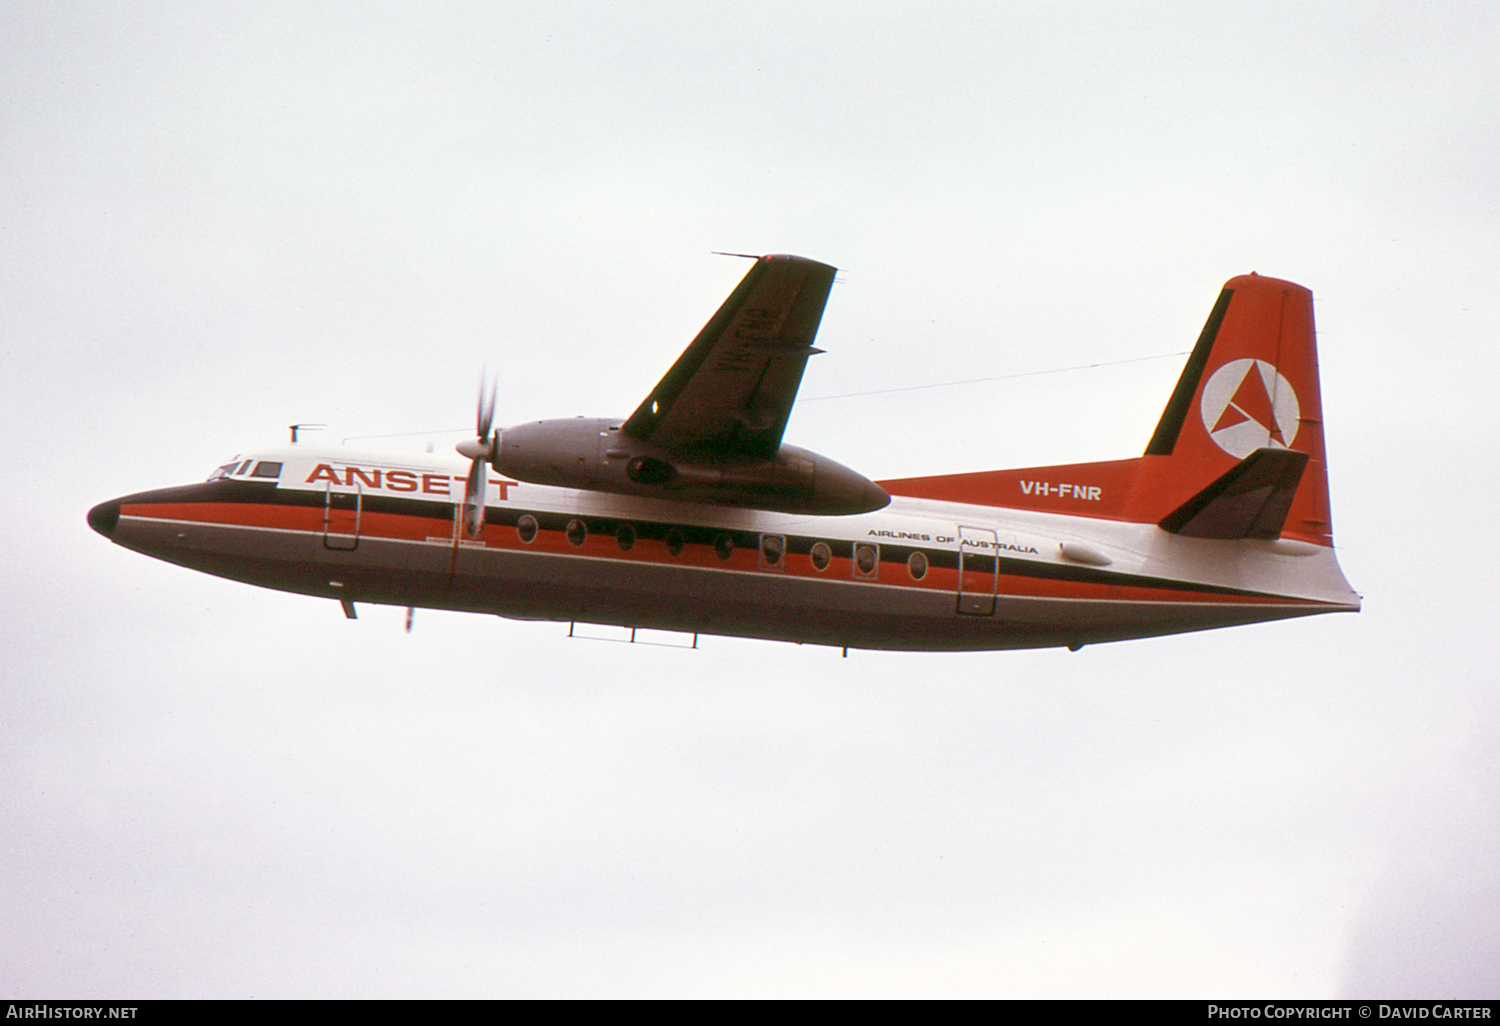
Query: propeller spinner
{"type": "Point", "coordinates": [481, 451]}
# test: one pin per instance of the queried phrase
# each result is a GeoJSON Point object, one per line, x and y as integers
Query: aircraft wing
{"type": "Point", "coordinates": [731, 391]}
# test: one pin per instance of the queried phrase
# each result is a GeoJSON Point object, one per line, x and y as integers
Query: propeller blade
{"type": "Point", "coordinates": [486, 409]}
{"type": "Point", "coordinates": [480, 450]}
{"type": "Point", "coordinates": [474, 494]}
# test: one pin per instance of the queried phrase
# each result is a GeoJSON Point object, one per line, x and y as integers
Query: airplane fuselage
{"type": "Point", "coordinates": [918, 574]}
{"type": "Point", "coordinates": [692, 514]}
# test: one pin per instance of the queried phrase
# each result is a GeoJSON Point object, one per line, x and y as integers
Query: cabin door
{"type": "Point", "coordinates": [978, 571]}
{"type": "Point", "coordinates": [341, 512]}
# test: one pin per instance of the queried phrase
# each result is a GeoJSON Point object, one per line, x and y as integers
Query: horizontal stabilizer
{"type": "Point", "coordinates": [1251, 500]}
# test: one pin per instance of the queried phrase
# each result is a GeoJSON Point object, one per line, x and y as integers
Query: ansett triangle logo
{"type": "Point", "coordinates": [1249, 405]}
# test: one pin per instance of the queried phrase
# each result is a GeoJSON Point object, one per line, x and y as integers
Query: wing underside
{"type": "Point", "coordinates": [731, 391]}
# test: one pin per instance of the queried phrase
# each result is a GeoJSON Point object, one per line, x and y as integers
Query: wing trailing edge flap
{"type": "Point", "coordinates": [1251, 500]}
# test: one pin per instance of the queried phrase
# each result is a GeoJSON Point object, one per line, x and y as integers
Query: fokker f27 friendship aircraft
{"type": "Point", "coordinates": [692, 515]}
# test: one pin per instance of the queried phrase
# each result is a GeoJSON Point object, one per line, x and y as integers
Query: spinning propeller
{"type": "Point", "coordinates": [481, 452]}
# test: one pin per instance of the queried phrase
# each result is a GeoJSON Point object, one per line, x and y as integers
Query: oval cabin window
{"type": "Point", "coordinates": [821, 555]}
{"type": "Point", "coordinates": [772, 546]}
{"type": "Point", "coordinates": [526, 528]}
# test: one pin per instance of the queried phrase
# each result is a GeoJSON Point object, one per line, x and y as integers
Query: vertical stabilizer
{"type": "Point", "coordinates": [1250, 384]}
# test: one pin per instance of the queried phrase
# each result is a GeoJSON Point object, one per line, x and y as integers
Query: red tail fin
{"type": "Point", "coordinates": [1251, 383]}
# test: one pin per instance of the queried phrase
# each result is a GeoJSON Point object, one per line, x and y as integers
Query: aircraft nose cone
{"type": "Point", "coordinates": [105, 516]}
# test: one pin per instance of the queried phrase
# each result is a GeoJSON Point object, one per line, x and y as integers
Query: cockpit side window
{"type": "Point", "coordinates": [266, 468]}
{"type": "Point", "coordinates": [244, 467]}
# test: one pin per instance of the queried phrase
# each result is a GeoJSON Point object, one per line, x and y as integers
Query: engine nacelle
{"type": "Point", "coordinates": [596, 455]}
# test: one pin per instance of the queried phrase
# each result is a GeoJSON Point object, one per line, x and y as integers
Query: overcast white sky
{"type": "Point", "coordinates": [217, 219]}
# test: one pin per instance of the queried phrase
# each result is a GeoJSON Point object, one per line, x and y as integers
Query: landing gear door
{"type": "Point", "coordinates": [978, 571]}
{"type": "Point", "coordinates": [341, 511]}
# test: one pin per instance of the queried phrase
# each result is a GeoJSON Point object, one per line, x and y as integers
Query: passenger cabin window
{"type": "Point", "coordinates": [866, 560]}
{"type": "Point", "coordinates": [772, 547]}
{"type": "Point", "coordinates": [916, 565]}
{"type": "Point", "coordinates": [526, 528]}
{"type": "Point", "coordinates": [723, 546]}
{"type": "Point", "coordinates": [821, 555]}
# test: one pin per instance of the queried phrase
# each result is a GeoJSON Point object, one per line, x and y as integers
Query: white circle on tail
{"type": "Point", "coordinates": [1248, 405]}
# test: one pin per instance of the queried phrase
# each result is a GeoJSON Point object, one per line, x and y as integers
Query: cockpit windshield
{"type": "Point", "coordinates": [226, 470]}
{"type": "Point", "coordinates": [264, 470]}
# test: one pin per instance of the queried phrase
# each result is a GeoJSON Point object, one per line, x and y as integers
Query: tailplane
{"type": "Point", "coordinates": [1251, 501]}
